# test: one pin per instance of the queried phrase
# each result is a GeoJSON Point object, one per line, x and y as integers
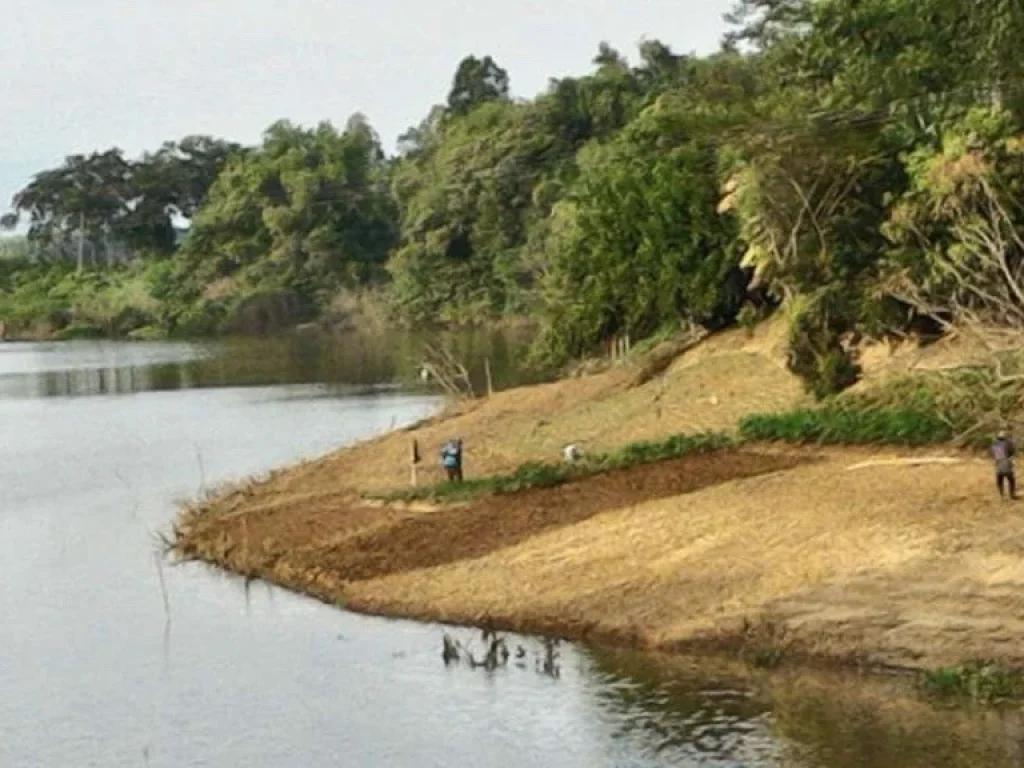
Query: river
{"type": "Point", "coordinates": [111, 657]}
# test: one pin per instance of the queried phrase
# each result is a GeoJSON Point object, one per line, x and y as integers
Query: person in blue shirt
{"type": "Point", "coordinates": [451, 460]}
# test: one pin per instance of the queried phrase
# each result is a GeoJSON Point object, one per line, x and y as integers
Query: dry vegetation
{"type": "Point", "coordinates": [845, 554]}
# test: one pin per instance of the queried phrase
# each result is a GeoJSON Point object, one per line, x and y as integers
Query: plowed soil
{"type": "Point", "coordinates": [343, 536]}
{"type": "Point", "coordinates": [468, 532]}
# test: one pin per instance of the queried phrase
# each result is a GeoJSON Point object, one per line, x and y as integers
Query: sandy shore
{"type": "Point", "coordinates": [842, 555]}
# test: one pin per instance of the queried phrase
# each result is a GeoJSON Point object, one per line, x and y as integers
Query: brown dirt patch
{"type": "Point", "coordinates": [463, 533]}
{"type": "Point", "coordinates": [345, 537]}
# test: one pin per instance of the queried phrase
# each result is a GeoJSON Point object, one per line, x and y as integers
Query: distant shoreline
{"type": "Point", "coordinates": [73, 332]}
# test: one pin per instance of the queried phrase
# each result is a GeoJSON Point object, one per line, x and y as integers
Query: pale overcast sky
{"type": "Point", "coordinates": [81, 75]}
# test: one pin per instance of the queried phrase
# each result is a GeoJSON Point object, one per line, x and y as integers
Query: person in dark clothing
{"type": "Point", "coordinates": [1003, 451]}
{"type": "Point", "coordinates": [458, 459]}
{"type": "Point", "coordinates": [451, 459]}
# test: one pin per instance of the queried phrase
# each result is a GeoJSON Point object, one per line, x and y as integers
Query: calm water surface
{"type": "Point", "coordinates": [98, 440]}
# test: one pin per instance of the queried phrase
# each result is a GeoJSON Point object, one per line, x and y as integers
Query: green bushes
{"type": "Point", "coordinates": [817, 353]}
{"type": "Point", "coordinates": [110, 302]}
{"type": "Point", "coordinates": [79, 331]}
{"type": "Point", "coordinates": [548, 475]}
{"type": "Point", "coordinates": [832, 424]}
{"type": "Point", "coordinates": [964, 406]}
{"type": "Point", "coordinates": [29, 296]}
{"type": "Point", "coordinates": [526, 476]}
{"type": "Point", "coordinates": [673, 447]}
{"type": "Point", "coordinates": [203, 318]}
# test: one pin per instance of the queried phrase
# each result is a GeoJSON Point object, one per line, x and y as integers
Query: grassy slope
{"type": "Point", "coordinates": [910, 566]}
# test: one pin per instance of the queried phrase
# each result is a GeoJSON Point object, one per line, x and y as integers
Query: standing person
{"type": "Point", "coordinates": [1003, 451]}
{"type": "Point", "coordinates": [451, 460]}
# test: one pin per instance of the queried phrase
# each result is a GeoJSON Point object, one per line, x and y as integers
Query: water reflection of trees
{"type": "Point", "coordinates": [837, 722]}
{"type": "Point", "coordinates": [342, 362]}
{"type": "Point", "coordinates": [103, 381]}
{"type": "Point", "coordinates": [689, 714]}
{"type": "Point", "coordinates": [715, 714]}
{"type": "Point", "coordinates": [496, 652]}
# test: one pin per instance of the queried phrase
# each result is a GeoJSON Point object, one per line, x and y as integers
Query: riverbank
{"type": "Point", "coordinates": [135, 302]}
{"type": "Point", "coordinates": [848, 555]}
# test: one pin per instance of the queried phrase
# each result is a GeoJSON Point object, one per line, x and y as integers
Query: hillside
{"type": "Point", "coordinates": [752, 547]}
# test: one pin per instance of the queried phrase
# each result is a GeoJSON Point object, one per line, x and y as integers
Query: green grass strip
{"type": "Point", "coordinates": [848, 426]}
{"type": "Point", "coordinates": [548, 475]}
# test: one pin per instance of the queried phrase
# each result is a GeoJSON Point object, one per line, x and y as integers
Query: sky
{"type": "Point", "coordinates": [84, 75]}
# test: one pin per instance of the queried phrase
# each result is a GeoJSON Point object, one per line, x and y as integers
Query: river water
{"type": "Point", "coordinates": [109, 657]}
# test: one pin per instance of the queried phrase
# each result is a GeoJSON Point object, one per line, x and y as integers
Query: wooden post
{"type": "Point", "coordinates": [487, 373]}
{"type": "Point", "coordinates": [414, 460]}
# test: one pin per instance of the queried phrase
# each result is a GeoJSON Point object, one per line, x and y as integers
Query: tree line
{"type": "Point", "coordinates": [855, 164]}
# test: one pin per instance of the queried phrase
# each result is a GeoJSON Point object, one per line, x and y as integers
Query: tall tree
{"type": "Point", "coordinates": [477, 81]}
{"type": "Point", "coordinates": [309, 211]}
{"type": "Point", "coordinates": [85, 198]}
{"type": "Point", "coordinates": [638, 243]}
{"type": "Point", "coordinates": [111, 202]}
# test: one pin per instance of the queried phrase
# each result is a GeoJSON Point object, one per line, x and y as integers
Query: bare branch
{"type": "Point", "coordinates": [445, 368]}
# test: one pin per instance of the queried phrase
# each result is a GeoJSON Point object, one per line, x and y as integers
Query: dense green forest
{"type": "Point", "coordinates": [855, 164]}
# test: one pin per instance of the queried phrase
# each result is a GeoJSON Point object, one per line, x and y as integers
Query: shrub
{"type": "Point", "coordinates": [965, 405]}
{"type": "Point", "coordinates": [673, 447]}
{"type": "Point", "coordinates": [204, 318]}
{"type": "Point", "coordinates": [818, 353]}
{"type": "Point", "coordinates": [748, 318]}
{"type": "Point", "coordinates": [535, 474]}
{"type": "Point", "coordinates": [147, 333]}
{"type": "Point", "coordinates": [980, 681]}
{"type": "Point", "coordinates": [80, 331]}
{"type": "Point", "coordinates": [832, 424]}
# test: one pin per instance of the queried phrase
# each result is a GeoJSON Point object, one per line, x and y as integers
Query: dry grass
{"type": "Point", "coordinates": [882, 360]}
{"type": "Point", "coordinates": [709, 388]}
